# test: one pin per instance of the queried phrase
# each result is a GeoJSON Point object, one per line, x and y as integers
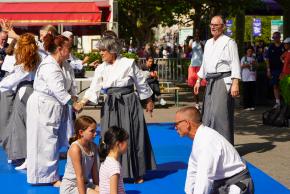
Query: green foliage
{"type": "Point", "coordinates": [266, 28]}
{"type": "Point", "coordinates": [93, 56]}
{"type": "Point", "coordinates": [140, 16]}
{"type": "Point", "coordinates": [130, 55]}
{"type": "Point", "coordinates": [80, 56]}
{"type": "Point", "coordinates": [285, 88]}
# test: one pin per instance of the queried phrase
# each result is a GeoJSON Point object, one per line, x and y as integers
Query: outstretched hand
{"type": "Point", "coordinates": [78, 107]}
{"type": "Point", "coordinates": [6, 25]}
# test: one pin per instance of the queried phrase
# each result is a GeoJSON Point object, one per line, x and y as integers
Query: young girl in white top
{"type": "Point", "coordinates": [113, 145]}
{"type": "Point", "coordinates": [82, 160]}
{"type": "Point", "coordinates": [249, 65]}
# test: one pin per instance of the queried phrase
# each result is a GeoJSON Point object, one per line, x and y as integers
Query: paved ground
{"type": "Point", "coordinates": [268, 148]}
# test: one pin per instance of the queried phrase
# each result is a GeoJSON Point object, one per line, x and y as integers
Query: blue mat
{"type": "Point", "coordinates": [171, 153]}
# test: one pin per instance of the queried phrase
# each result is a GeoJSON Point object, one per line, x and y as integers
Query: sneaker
{"type": "Point", "coordinates": [247, 109]}
{"type": "Point", "coordinates": [162, 102]}
{"type": "Point", "coordinates": [252, 108]}
{"type": "Point", "coordinates": [276, 106]}
{"type": "Point", "coordinates": [9, 161]}
{"type": "Point", "coordinates": [22, 166]}
{"type": "Point", "coordinates": [196, 106]}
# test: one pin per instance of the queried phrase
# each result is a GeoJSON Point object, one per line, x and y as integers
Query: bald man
{"type": "Point", "coordinates": [221, 68]}
{"type": "Point", "coordinates": [214, 166]}
{"type": "Point", "coordinates": [3, 46]}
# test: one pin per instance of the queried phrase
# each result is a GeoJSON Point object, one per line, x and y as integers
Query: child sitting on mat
{"type": "Point", "coordinates": [82, 160]}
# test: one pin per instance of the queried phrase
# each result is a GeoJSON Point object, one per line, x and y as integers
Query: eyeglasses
{"type": "Point", "coordinates": [178, 122]}
{"type": "Point", "coordinates": [215, 25]}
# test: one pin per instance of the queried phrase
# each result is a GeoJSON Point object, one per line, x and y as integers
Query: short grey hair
{"type": "Point", "coordinates": [111, 44]}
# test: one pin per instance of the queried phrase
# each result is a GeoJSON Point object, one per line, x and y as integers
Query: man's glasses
{"type": "Point", "coordinates": [215, 25]}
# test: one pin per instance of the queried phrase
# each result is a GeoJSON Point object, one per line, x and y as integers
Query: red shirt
{"type": "Point", "coordinates": [286, 66]}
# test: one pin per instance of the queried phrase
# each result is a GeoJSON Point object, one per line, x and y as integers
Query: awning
{"type": "Point", "coordinates": [42, 13]}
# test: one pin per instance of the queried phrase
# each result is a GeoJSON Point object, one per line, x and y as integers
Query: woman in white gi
{"type": "Point", "coordinates": [20, 80]}
{"type": "Point", "coordinates": [45, 109]}
{"type": "Point", "coordinates": [116, 77]}
{"type": "Point", "coordinates": [23, 72]}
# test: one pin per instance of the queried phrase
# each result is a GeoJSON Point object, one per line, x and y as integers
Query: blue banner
{"type": "Point", "coordinates": [229, 31]}
{"type": "Point", "coordinates": [257, 27]}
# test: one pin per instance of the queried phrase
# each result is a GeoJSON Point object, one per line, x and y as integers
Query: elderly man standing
{"type": "Point", "coordinates": [221, 68]}
{"type": "Point", "coordinates": [214, 166]}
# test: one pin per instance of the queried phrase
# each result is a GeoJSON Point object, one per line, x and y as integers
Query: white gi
{"type": "Point", "coordinates": [221, 55]}
{"type": "Point", "coordinates": [17, 75]}
{"type": "Point", "coordinates": [75, 63]}
{"type": "Point", "coordinates": [122, 73]}
{"type": "Point", "coordinates": [212, 158]}
{"type": "Point", "coordinates": [8, 87]}
{"type": "Point", "coordinates": [41, 51]}
{"type": "Point", "coordinates": [68, 123]}
{"type": "Point", "coordinates": [8, 63]}
{"type": "Point", "coordinates": [220, 65]}
{"type": "Point", "coordinates": [44, 119]}
{"type": "Point", "coordinates": [125, 111]}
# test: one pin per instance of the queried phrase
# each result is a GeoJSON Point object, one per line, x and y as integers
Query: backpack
{"type": "Point", "coordinates": [277, 116]}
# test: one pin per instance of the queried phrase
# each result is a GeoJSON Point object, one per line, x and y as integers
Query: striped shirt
{"type": "Point", "coordinates": [109, 168]}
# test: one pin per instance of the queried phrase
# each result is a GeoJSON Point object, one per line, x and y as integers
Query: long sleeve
{"type": "Point", "coordinates": [234, 60]}
{"type": "Point", "coordinates": [190, 176]}
{"type": "Point", "coordinates": [10, 82]}
{"type": "Point", "coordinates": [76, 63]}
{"type": "Point", "coordinates": [206, 170]}
{"type": "Point", "coordinates": [55, 82]}
{"type": "Point", "coordinates": [74, 87]}
{"type": "Point", "coordinates": [142, 86]}
{"type": "Point", "coordinates": [201, 72]}
{"type": "Point", "coordinates": [93, 93]}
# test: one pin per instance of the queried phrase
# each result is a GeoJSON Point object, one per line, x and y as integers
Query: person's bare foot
{"type": "Point", "coordinates": [139, 180]}
{"type": "Point", "coordinates": [56, 183]}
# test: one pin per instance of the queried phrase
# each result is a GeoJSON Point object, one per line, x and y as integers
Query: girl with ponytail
{"type": "Point", "coordinates": [82, 160]}
{"type": "Point", "coordinates": [113, 145]}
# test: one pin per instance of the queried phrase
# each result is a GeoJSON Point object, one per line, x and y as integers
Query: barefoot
{"type": "Point", "coordinates": [56, 183]}
{"type": "Point", "coordinates": [139, 180]}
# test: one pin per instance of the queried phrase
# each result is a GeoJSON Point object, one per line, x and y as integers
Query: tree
{"type": "Point", "coordinates": [286, 16]}
{"type": "Point", "coordinates": [138, 17]}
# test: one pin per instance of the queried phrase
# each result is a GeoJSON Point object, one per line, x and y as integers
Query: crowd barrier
{"type": "Point", "coordinates": [171, 69]}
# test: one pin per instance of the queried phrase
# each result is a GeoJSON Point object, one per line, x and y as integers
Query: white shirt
{"type": "Point", "coordinates": [247, 74]}
{"type": "Point", "coordinates": [122, 73]}
{"type": "Point", "coordinates": [75, 63]}
{"type": "Point", "coordinates": [9, 63]}
{"type": "Point", "coordinates": [11, 81]}
{"type": "Point", "coordinates": [50, 80]}
{"type": "Point", "coordinates": [221, 55]}
{"type": "Point", "coordinates": [212, 158]}
{"type": "Point", "coordinates": [41, 51]}
{"type": "Point", "coordinates": [197, 53]}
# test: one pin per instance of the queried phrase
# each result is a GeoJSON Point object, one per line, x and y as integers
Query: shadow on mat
{"type": "Point", "coordinates": [165, 169]}
{"type": "Point", "coordinates": [132, 192]}
{"type": "Point", "coordinates": [245, 149]}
